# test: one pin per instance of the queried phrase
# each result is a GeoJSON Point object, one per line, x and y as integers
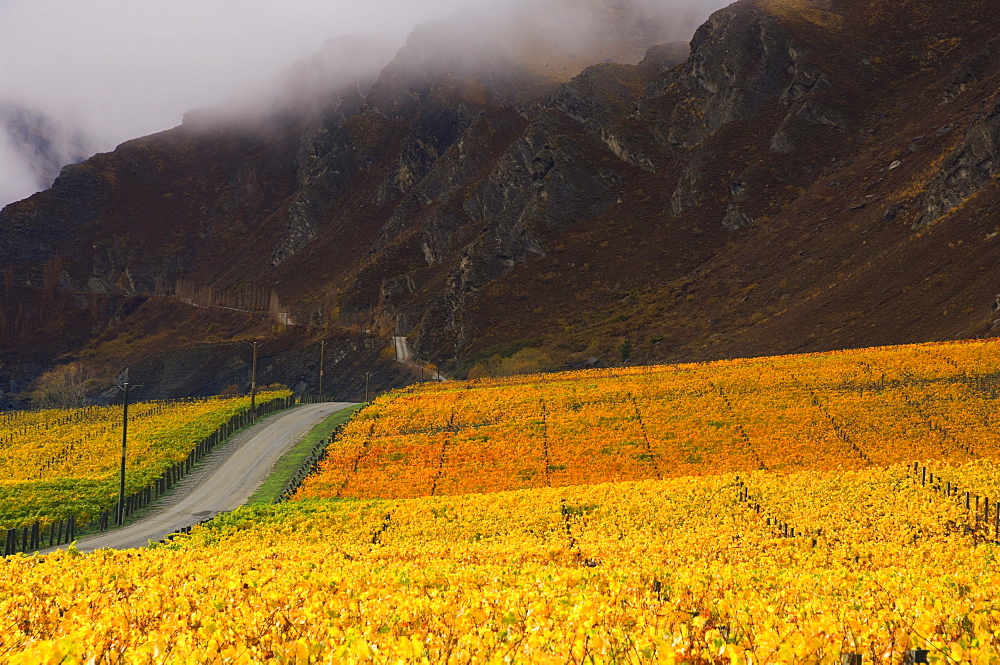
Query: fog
{"type": "Point", "coordinates": [551, 39]}
{"type": "Point", "coordinates": [81, 77]}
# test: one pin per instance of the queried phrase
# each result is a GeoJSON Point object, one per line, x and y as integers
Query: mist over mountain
{"type": "Point", "coordinates": [115, 70]}
{"type": "Point", "coordinates": [112, 70]}
{"type": "Point", "coordinates": [564, 183]}
{"type": "Point", "coordinates": [33, 148]}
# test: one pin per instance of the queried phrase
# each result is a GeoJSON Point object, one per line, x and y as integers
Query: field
{"type": "Point", "coordinates": [62, 462]}
{"type": "Point", "coordinates": [795, 509]}
{"type": "Point", "coordinates": [658, 570]}
{"type": "Point", "coordinates": [846, 410]}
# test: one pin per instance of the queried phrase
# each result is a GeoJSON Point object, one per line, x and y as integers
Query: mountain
{"type": "Point", "coordinates": [804, 175]}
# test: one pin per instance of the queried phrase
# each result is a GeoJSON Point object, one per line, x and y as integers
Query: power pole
{"type": "Point", "coordinates": [367, 375]}
{"type": "Point", "coordinates": [253, 382]}
{"type": "Point", "coordinates": [120, 516]}
{"type": "Point", "coordinates": [322, 350]}
{"type": "Point", "coordinates": [122, 382]}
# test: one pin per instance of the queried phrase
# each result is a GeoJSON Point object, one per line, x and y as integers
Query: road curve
{"type": "Point", "coordinates": [225, 480]}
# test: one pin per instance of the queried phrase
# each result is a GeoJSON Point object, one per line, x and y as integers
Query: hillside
{"type": "Point", "coordinates": [788, 546]}
{"type": "Point", "coordinates": [804, 176]}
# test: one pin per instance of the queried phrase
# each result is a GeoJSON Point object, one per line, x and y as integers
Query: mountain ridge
{"type": "Point", "coordinates": [762, 192]}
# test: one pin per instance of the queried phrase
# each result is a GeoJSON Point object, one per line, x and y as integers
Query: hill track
{"type": "Point", "coordinates": [226, 479]}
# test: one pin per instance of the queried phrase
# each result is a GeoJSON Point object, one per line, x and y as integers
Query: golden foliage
{"type": "Point", "coordinates": [650, 568]}
{"type": "Point", "coordinates": [58, 462]}
{"type": "Point", "coordinates": [844, 410]}
{"type": "Point", "coordinates": [676, 570]}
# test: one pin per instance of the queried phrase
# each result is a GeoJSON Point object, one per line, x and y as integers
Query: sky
{"type": "Point", "coordinates": [105, 71]}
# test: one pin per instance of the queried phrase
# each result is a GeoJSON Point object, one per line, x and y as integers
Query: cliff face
{"type": "Point", "coordinates": [807, 174]}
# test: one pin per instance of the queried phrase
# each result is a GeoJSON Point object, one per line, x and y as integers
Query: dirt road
{"type": "Point", "coordinates": [405, 357]}
{"type": "Point", "coordinates": [226, 479]}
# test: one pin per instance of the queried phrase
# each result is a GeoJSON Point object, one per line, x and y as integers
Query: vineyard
{"type": "Point", "coordinates": [61, 463]}
{"type": "Point", "coordinates": [829, 508]}
{"type": "Point", "coordinates": [678, 570]}
{"type": "Point", "coordinates": [846, 410]}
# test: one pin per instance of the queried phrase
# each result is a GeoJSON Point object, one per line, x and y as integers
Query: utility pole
{"type": "Point", "coordinates": [253, 382]}
{"type": "Point", "coordinates": [322, 350]}
{"type": "Point", "coordinates": [122, 382]}
{"type": "Point", "coordinates": [120, 516]}
{"type": "Point", "coordinates": [367, 375]}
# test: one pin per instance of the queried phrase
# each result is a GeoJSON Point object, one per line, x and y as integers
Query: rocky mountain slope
{"type": "Point", "coordinates": [805, 175]}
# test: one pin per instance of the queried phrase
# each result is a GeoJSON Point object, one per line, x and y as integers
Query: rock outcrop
{"type": "Point", "coordinates": [973, 165]}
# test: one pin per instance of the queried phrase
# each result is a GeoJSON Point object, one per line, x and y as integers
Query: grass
{"type": "Point", "coordinates": [291, 461]}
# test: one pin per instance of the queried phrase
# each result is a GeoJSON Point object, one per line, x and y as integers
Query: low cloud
{"type": "Point", "coordinates": [111, 70]}
{"type": "Point", "coordinates": [18, 176]}
{"type": "Point", "coordinates": [104, 71]}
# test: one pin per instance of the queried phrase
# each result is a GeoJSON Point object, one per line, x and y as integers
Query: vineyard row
{"type": "Point", "coordinates": [30, 538]}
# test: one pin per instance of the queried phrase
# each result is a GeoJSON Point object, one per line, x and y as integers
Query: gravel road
{"type": "Point", "coordinates": [224, 481]}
